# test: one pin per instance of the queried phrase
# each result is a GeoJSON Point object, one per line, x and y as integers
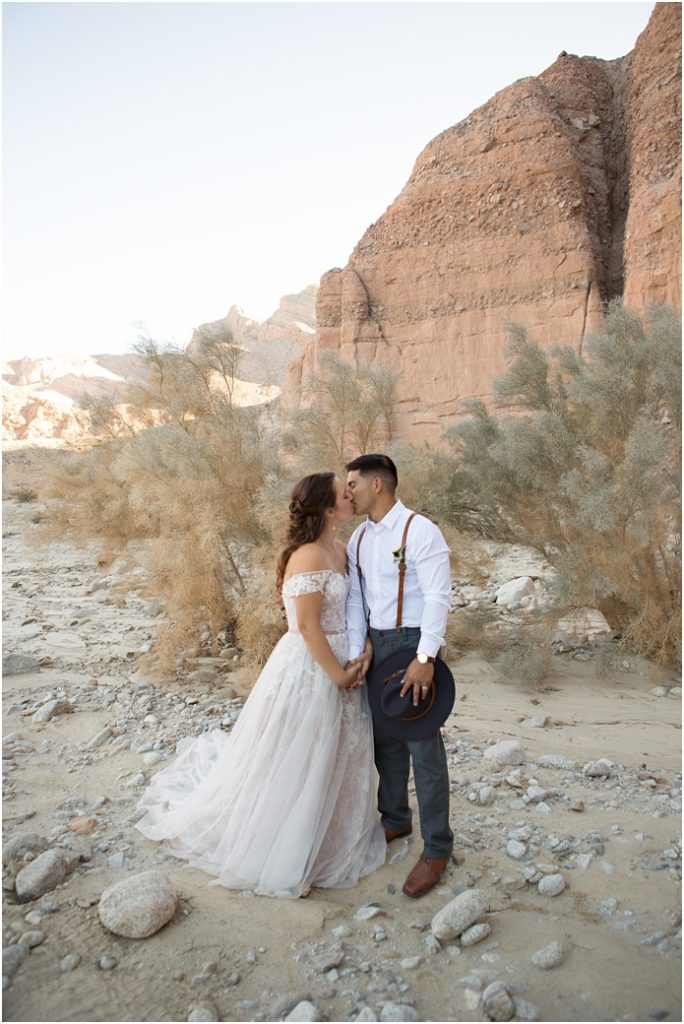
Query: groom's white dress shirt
{"type": "Point", "coordinates": [427, 586]}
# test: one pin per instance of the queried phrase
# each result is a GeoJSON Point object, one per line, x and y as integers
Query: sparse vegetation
{"type": "Point", "coordinates": [580, 460]}
{"type": "Point", "coordinates": [584, 466]}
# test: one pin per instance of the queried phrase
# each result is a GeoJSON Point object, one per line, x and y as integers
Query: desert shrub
{"type": "Point", "coordinates": [25, 494]}
{"type": "Point", "coordinates": [344, 412]}
{"type": "Point", "coordinates": [181, 497]}
{"type": "Point", "coordinates": [584, 466]}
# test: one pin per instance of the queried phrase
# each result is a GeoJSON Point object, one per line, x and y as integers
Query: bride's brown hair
{"type": "Point", "coordinates": [308, 503]}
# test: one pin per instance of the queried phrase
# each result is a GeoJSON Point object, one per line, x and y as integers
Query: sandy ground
{"type": "Point", "coordinates": [242, 953]}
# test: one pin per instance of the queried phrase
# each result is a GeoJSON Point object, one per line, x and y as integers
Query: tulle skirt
{"type": "Point", "coordinates": [288, 799]}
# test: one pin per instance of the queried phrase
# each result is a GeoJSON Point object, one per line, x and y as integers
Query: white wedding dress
{"type": "Point", "coordinates": [288, 799]}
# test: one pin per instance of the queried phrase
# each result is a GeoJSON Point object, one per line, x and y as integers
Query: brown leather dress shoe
{"type": "Point", "coordinates": [397, 833]}
{"type": "Point", "coordinates": [424, 876]}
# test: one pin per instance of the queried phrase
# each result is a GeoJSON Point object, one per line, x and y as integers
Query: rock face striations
{"type": "Point", "coordinates": [558, 194]}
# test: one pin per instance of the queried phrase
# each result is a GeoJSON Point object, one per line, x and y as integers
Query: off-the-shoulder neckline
{"type": "Point", "coordinates": [314, 572]}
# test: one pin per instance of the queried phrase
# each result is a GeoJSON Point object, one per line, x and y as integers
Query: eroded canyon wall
{"type": "Point", "coordinates": [558, 194]}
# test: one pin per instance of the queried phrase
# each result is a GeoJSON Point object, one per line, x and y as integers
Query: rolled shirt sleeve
{"type": "Point", "coordinates": [431, 557]}
{"type": "Point", "coordinates": [357, 626]}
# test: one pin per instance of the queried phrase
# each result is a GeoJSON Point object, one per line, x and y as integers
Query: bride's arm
{"type": "Point", "coordinates": [308, 609]}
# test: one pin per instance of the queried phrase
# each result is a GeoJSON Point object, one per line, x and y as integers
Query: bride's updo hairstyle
{"type": "Point", "coordinates": [308, 503]}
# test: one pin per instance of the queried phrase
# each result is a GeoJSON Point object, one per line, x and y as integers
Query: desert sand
{"type": "Point", "coordinates": [245, 958]}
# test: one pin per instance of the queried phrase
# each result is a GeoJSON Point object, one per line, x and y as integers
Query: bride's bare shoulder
{"type": "Point", "coordinates": [307, 558]}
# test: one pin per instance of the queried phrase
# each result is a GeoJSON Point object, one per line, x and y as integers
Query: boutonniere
{"type": "Point", "coordinates": [400, 555]}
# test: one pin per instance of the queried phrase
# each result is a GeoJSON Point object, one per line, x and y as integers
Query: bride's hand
{"type": "Point", "coordinates": [349, 677]}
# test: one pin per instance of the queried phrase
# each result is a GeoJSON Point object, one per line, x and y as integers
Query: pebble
{"type": "Point", "coordinates": [431, 945]}
{"type": "Point", "coordinates": [41, 875]}
{"type": "Point", "coordinates": [108, 963]}
{"type": "Point", "coordinates": [506, 752]}
{"type": "Point", "coordinates": [99, 738]}
{"type": "Point", "coordinates": [69, 962]}
{"type": "Point", "coordinates": [152, 758]}
{"type": "Point", "coordinates": [138, 906]}
{"type": "Point", "coordinates": [34, 917]}
{"type": "Point", "coordinates": [32, 938]}
{"type": "Point", "coordinates": [366, 1014]}
{"type": "Point", "coordinates": [551, 956]}
{"type": "Point", "coordinates": [551, 885]}
{"type": "Point", "coordinates": [497, 1002]}
{"type": "Point", "coordinates": [304, 1011]}
{"type": "Point", "coordinates": [459, 914]}
{"type": "Point", "coordinates": [116, 860]}
{"type": "Point", "coordinates": [607, 908]}
{"type": "Point", "coordinates": [26, 842]}
{"type": "Point", "coordinates": [368, 911]}
{"type": "Point", "coordinates": [58, 706]}
{"type": "Point", "coordinates": [398, 1012]}
{"type": "Point", "coordinates": [286, 1003]}
{"type": "Point", "coordinates": [204, 1012]}
{"type": "Point", "coordinates": [525, 1010]}
{"type": "Point", "coordinates": [409, 963]}
{"type": "Point", "coordinates": [601, 769]}
{"type": "Point", "coordinates": [476, 933]}
{"type": "Point", "coordinates": [12, 958]}
{"type": "Point", "coordinates": [515, 849]}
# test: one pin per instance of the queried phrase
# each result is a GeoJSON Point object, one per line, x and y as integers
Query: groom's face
{"type": "Point", "coordinates": [362, 492]}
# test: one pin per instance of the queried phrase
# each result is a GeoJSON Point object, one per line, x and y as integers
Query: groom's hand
{"type": "Point", "coordinates": [418, 677]}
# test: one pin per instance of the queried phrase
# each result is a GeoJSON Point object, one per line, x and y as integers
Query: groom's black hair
{"type": "Point", "coordinates": [376, 465]}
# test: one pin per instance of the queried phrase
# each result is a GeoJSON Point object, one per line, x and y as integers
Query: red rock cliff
{"type": "Point", "coordinates": [559, 193]}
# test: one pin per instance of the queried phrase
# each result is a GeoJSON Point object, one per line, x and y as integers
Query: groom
{"type": "Point", "coordinates": [372, 611]}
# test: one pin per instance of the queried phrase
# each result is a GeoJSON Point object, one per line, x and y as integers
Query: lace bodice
{"type": "Point", "coordinates": [334, 587]}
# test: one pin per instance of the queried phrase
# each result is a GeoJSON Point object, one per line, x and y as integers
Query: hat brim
{"type": "Point", "coordinates": [397, 716]}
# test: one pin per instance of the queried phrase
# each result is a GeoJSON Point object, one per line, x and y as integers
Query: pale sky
{"type": "Point", "coordinates": [164, 161]}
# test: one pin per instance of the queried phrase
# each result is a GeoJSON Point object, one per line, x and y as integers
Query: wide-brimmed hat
{"type": "Point", "coordinates": [396, 715]}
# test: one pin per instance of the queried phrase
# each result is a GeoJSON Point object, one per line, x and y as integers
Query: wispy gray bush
{"type": "Point", "coordinates": [583, 463]}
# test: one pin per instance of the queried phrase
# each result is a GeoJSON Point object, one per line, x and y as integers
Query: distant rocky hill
{"type": "Point", "coordinates": [42, 396]}
{"type": "Point", "coordinates": [561, 192]}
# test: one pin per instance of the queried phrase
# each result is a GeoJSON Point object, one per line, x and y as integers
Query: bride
{"type": "Point", "coordinates": [287, 800]}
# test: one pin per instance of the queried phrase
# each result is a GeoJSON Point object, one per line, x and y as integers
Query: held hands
{"type": "Point", "coordinates": [350, 676]}
{"type": "Point", "coordinates": [419, 678]}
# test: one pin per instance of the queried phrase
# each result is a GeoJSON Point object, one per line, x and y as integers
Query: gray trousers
{"type": "Point", "coordinates": [430, 771]}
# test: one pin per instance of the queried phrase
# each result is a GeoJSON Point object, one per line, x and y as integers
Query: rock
{"type": "Point", "coordinates": [12, 959]}
{"type": "Point", "coordinates": [600, 769]}
{"type": "Point", "coordinates": [58, 706]}
{"type": "Point", "coordinates": [32, 938]}
{"type": "Point", "coordinates": [368, 911]}
{"type": "Point", "coordinates": [506, 752]}
{"type": "Point", "coordinates": [99, 738]}
{"type": "Point", "coordinates": [287, 1002]}
{"type": "Point", "coordinates": [83, 826]}
{"type": "Point", "coordinates": [152, 758]}
{"type": "Point", "coordinates": [556, 761]}
{"type": "Point", "coordinates": [19, 664]}
{"type": "Point", "coordinates": [26, 842]}
{"type": "Point", "coordinates": [659, 691]}
{"type": "Point", "coordinates": [525, 1010]}
{"type": "Point", "coordinates": [204, 1012]}
{"type": "Point", "coordinates": [327, 960]}
{"type": "Point", "coordinates": [398, 1011]}
{"type": "Point", "coordinates": [511, 594]}
{"type": "Point", "coordinates": [41, 875]}
{"type": "Point", "coordinates": [366, 1014]}
{"type": "Point", "coordinates": [515, 849]}
{"type": "Point", "coordinates": [550, 956]}
{"type": "Point", "coordinates": [304, 1011]}
{"type": "Point", "coordinates": [551, 885]}
{"type": "Point", "coordinates": [459, 914]}
{"type": "Point", "coordinates": [138, 906]}
{"type": "Point", "coordinates": [476, 933]}
{"type": "Point", "coordinates": [440, 230]}
{"type": "Point", "coordinates": [69, 962]}
{"type": "Point", "coordinates": [538, 722]}
{"type": "Point", "coordinates": [497, 1002]}
{"type": "Point", "coordinates": [108, 963]}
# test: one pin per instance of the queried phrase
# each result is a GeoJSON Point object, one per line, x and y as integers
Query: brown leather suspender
{"type": "Point", "coordinates": [402, 572]}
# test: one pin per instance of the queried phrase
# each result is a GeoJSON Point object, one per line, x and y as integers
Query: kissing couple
{"type": "Point", "coordinates": [309, 788]}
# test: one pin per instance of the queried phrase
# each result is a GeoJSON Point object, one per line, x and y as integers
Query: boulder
{"type": "Point", "coordinates": [138, 906]}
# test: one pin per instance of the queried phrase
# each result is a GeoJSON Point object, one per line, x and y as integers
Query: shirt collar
{"type": "Point", "coordinates": [390, 518]}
